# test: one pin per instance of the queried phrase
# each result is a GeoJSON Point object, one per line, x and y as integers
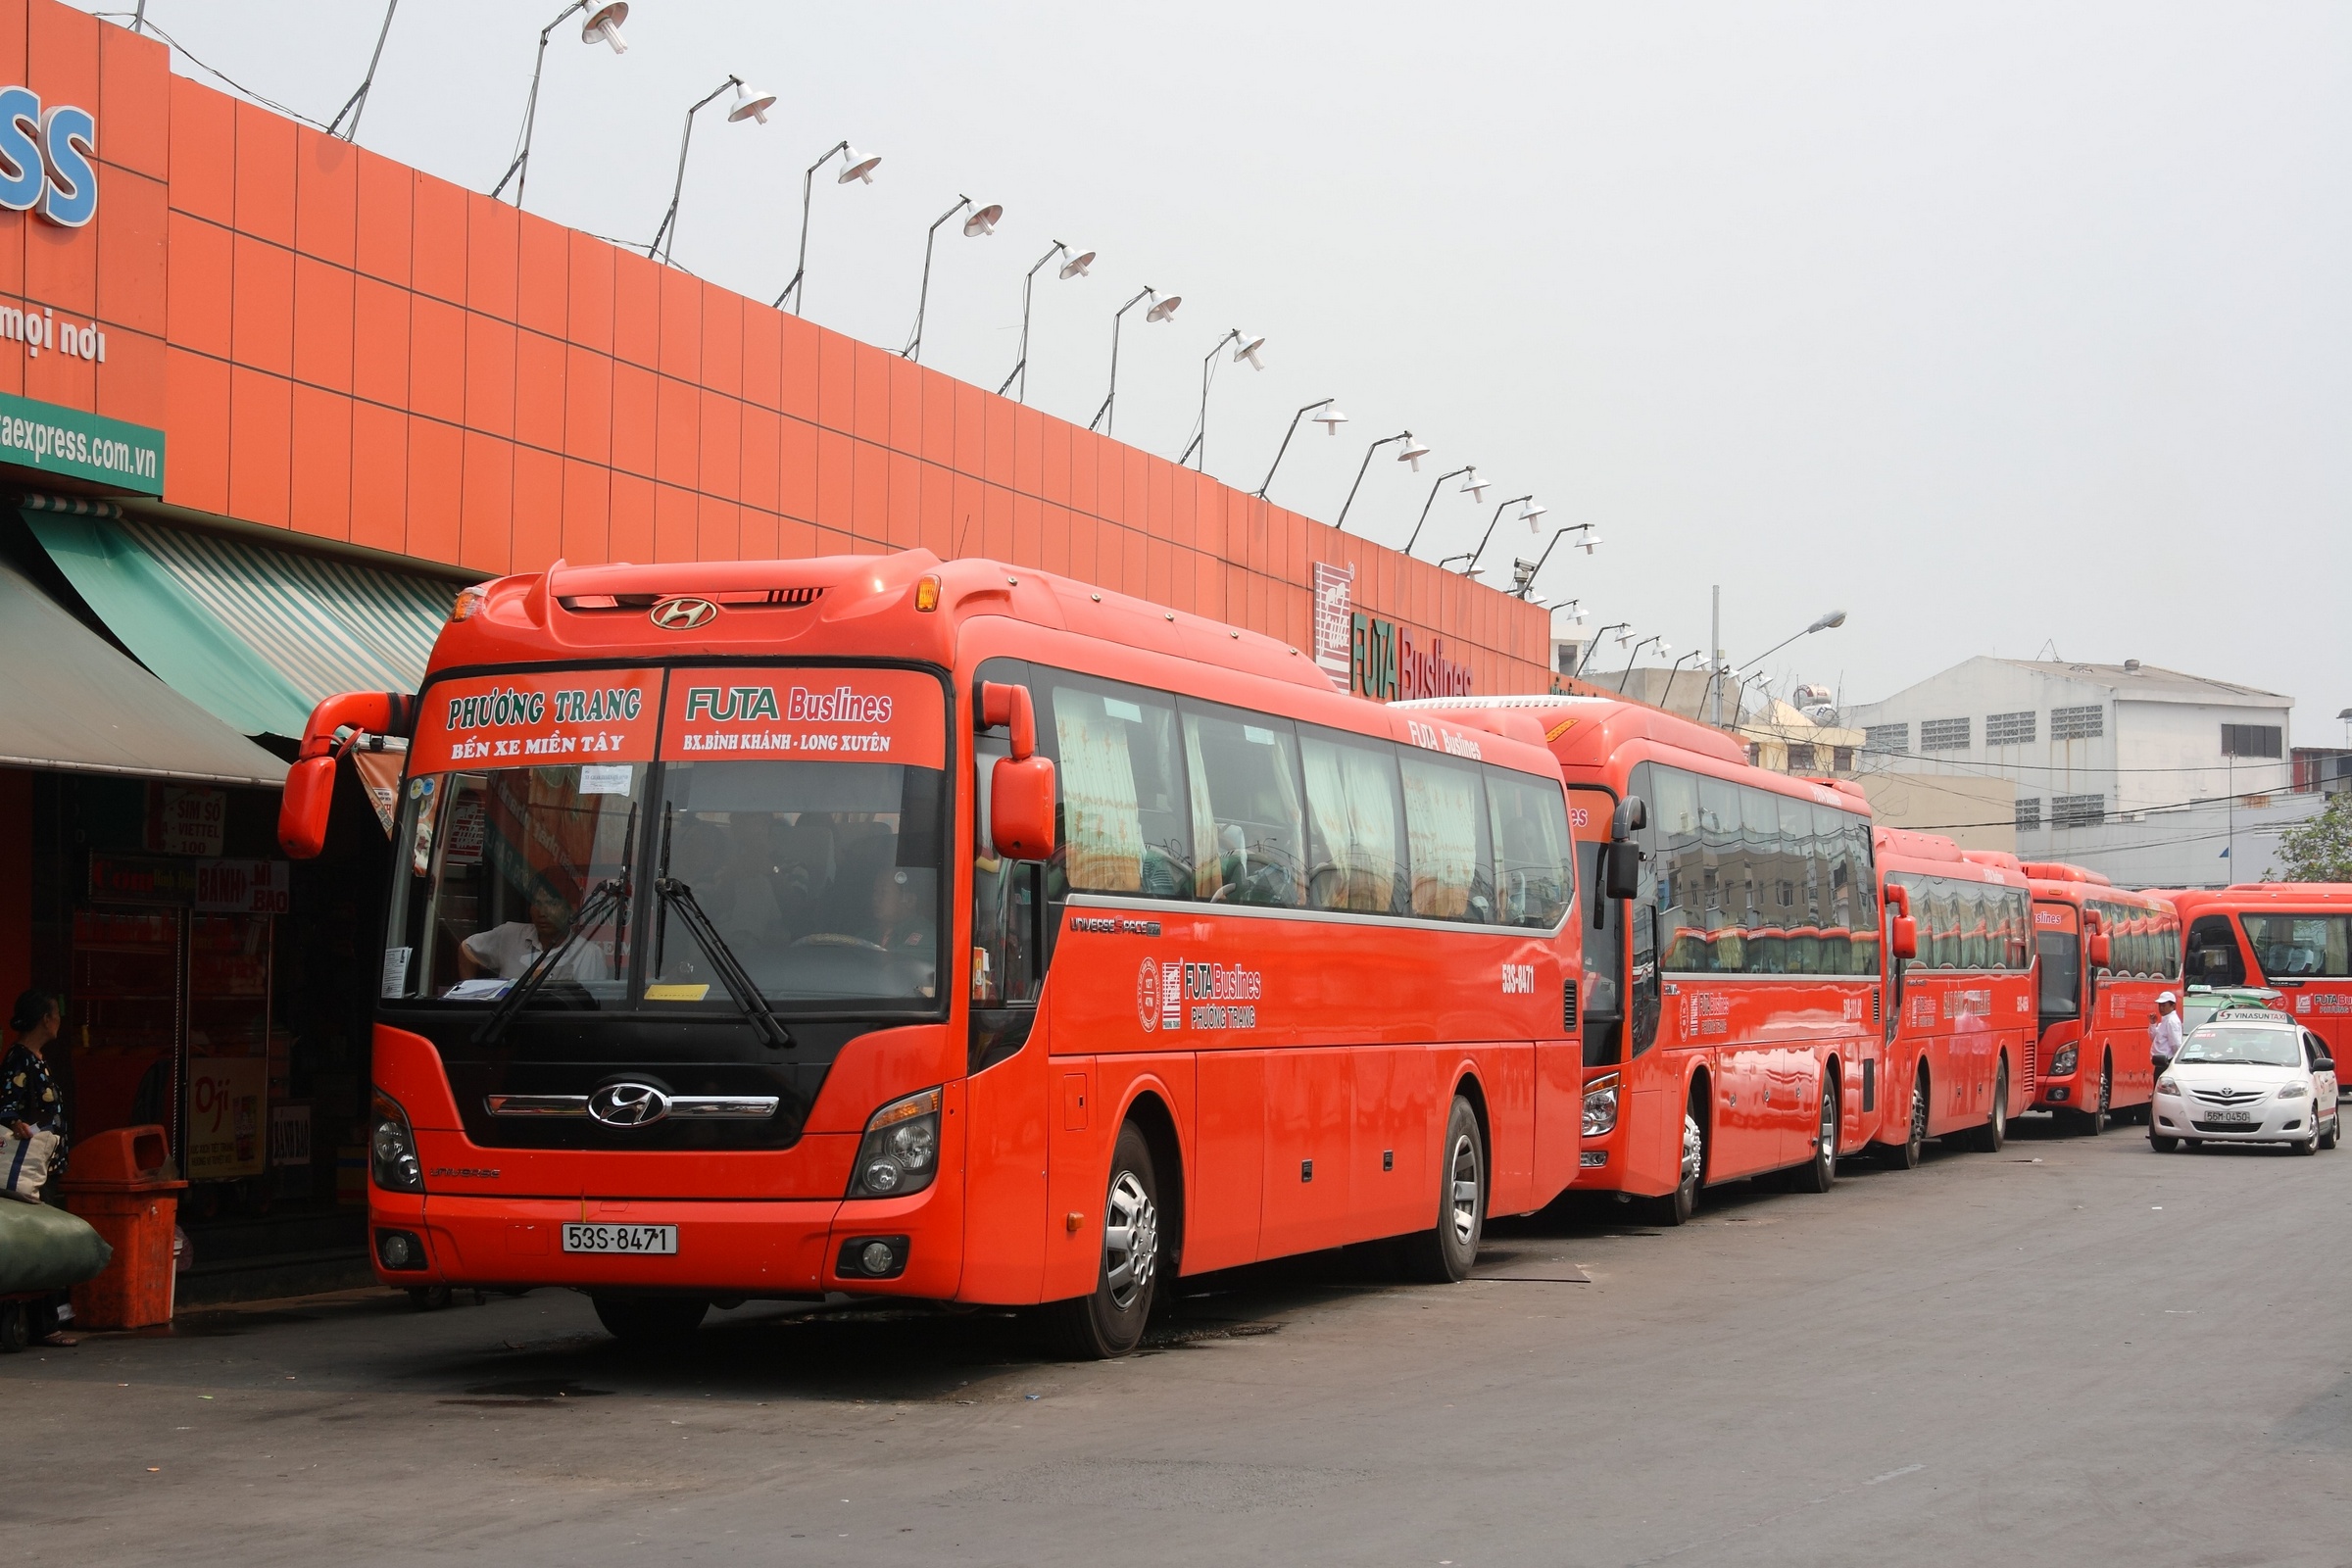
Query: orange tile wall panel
{"type": "Point", "coordinates": [486, 504]}
{"type": "Point", "coordinates": [321, 463]}
{"type": "Point", "coordinates": [379, 478]}
{"type": "Point", "coordinates": [260, 432]}
{"type": "Point", "coordinates": [260, 287]}
{"type": "Point", "coordinates": [326, 197]}
{"type": "Point", "coordinates": [538, 526]}
{"type": "Point", "coordinates": [492, 243]}
{"type": "Point", "coordinates": [132, 383]}
{"type": "Point", "coordinates": [540, 405]}
{"type": "Point", "coordinates": [264, 198]}
{"type": "Point", "coordinates": [489, 361]}
{"type": "Point", "coordinates": [323, 324]}
{"type": "Point", "coordinates": [436, 467]}
{"type": "Point", "coordinates": [437, 254]}
{"type": "Point", "coordinates": [131, 250]}
{"type": "Point", "coordinates": [543, 276]}
{"type": "Point", "coordinates": [196, 415]}
{"type": "Point", "coordinates": [386, 214]}
{"type": "Point", "coordinates": [134, 102]}
{"type": "Point", "coordinates": [380, 341]}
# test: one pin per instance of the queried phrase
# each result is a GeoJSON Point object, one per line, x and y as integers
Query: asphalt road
{"type": "Point", "coordinates": [2073, 1352]}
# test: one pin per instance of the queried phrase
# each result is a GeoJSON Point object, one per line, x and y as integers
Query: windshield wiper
{"type": "Point", "coordinates": [731, 973]}
{"type": "Point", "coordinates": [610, 895]}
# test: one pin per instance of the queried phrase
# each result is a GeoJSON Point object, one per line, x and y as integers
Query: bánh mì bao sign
{"type": "Point", "coordinates": [832, 715]}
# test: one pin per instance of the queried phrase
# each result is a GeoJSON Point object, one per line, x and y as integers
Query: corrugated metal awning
{"type": "Point", "coordinates": [72, 701]}
{"type": "Point", "coordinates": [256, 636]}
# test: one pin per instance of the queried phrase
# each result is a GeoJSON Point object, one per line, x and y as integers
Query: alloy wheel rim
{"type": "Point", "coordinates": [1466, 1189]}
{"type": "Point", "coordinates": [1828, 1149]}
{"type": "Point", "coordinates": [1918, 1111]}
{"type": "Point", "coordinates": [1130, 1239]}
{"type": "Point", "coordinates": [1694, 1149]}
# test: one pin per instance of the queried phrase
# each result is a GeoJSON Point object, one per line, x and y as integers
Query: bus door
{"type": "Point", "coordinates": [1601, 993]}
{"type": "Point", "coordinates": [2058, 973]}
{"type": "Point", "coordinates": [2308, 956]}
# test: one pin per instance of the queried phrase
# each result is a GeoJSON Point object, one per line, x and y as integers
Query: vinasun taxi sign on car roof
{"type": "Point", "coordinates": [2252, 1015]}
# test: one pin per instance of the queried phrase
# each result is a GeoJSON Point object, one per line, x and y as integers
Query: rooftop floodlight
{"type": "Point", "coordinates": [1160, 311]}
{"type": "Point", "coordinates": [1075, 266]}
{"type": "Point", "coordinates": [1558, 534]}
{"type": "Point", "coordinates": [748, 106]}
{"type": "Point", "coordinates": [853, 165]}
{"type": "Point", "coordinates": [1622, 627]}
{"type": "Point", "coordinates": [1423, 520]}
{"type": "Point", "coordinates": [981, 223]}
{"type": "Point", "coordinates": [1414, 452]}
{"type": "Point", "coordinates": [1411, 444]}
{"type": "Point", "coordinates": [1474, 487]}
{"type": "Point", "coordinates": [1245, 347]}
{"type": "Point", "coordinates": [1534, 510]}
{"type": "Point", "coordinates": [1303, 411]}
{"type": "Point", "coordinates": [1636, 656]}
{"type": "Point", "coordinates": [1591, 541]}
{"type": "Point", "coordinates": [1471, 571]}
{"type": "Point", "coordinates": [1331, 418]}
{"type": "Point", "coordinates": [604, 26]}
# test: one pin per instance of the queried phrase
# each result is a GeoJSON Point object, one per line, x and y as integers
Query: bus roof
{"type": "Point", "coordinates": [2076, 884]}
{"type": "Point", "coordinates": [2266, 894]}
{"type": "Point", "coordinates": [1901, 849]}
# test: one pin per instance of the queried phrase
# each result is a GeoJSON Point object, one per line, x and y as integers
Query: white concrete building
{"type": "Point", "coordinates": [2142, 774]}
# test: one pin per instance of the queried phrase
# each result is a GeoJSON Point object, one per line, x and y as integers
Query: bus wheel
{"type": "Point", "coordinates": [428, 1297]}
{"type": "Point", "coordinates": [1109, 1322]}
{"type": "Point", "coordinates": [1907, 1155]}
{"type": "Point", "coordinates": [1988, 1137]}
{"type": "Point", "coordinates": [650, 1322]}
{"type": "Point", "coordinates": [1677, 1207]}
{"type": "Point", "coordinates": [2094, 1122]}
{"type": "Point", "coordinates": [1820, 1173]}
{"type": "Point", "coordinates": [16, 1326]}
{"type": "Point", "coordinates": [1444, 1254]}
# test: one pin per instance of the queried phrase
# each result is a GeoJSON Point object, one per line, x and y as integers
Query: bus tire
{"type": "Point", "coordinates": [16, 1326]}
{"type": "Point", "coordinates": [650, 1322]}
{"type": "Point", "coordinates": [1109, 1321]}
{"type": "Point", "coordinates": [1677, 1207]}
{"type": "Point", "coordinates": [428, 1297]}
{"type": "Point", "coordinates": [1987, 1136]}
{"type": "Point", "coordinates": [1820, 1173]}
{"type": "Point", "coordinates": [1444, 1254]}
{"type": "Point", "coordinates": [1907, 1155]}
{"type": "Point", "coordinates": [2094, 1121]}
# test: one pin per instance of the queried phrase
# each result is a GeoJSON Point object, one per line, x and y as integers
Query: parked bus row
{"type": "Point", "coordinates": [956, 932]}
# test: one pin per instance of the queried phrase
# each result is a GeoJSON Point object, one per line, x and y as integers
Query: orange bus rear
{"type": "Point", "coordinates": [1958, 1024]}
{"type": "Point", "coordinates": [1731, 952]}
{"type": "Point", "coordinates": [2294, 937]}
{"type": "Point", "coordinates": [2104, 955]}
{"type": "Point", "coordinates": [957, 932]}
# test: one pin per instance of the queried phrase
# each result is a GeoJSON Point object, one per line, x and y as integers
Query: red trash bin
{"type": "Point", "coordinates": [117, 1181]}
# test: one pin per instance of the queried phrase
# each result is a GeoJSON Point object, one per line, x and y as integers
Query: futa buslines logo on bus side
{"type": "Point", "coordinates": [46, 158]}
{"type": "Point", "coordinates": [1188, 994]}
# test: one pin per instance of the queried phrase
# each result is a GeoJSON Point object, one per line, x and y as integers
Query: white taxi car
{"type": "Point", "coordinates": [2248, 1075]}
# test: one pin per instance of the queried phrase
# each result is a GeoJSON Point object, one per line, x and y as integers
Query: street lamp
{"type": "Point", "coordinates": [1160, 310]}
{"type": "Point", "coordinates": [1331, 418]}
{"type": "Point", "coordinates": [1586, 543]}
{"type": "Point", "coordinates": [748, 104]}
{"type": "Point", "coordinates": [1828, 622]}
{"type": "Point", "coordinates": [853, 165]}
{"type": "Point", "coordinates": [604, 26]}
{"type": "Point", "coordinates": [1075, 266]}
{"type": "Point", "coordinates": [1623, 629]}
{"type": "Point", "coordinates": [1245, 346]}
{"type": "Point", "coordinates": [1472, 557]}
{"type": "Point", "coordinates": [1471, 486]}
{"type": "Point", "coordinates": [1664, 648]}
{"type": "Point", "coordinates": [1414, 452]}
{"type": "Point", "coordinates": [982, 223]}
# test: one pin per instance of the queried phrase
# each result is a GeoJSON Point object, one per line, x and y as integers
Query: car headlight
{"type": "Point", "coordinates": [392, 1149]}
{"type": "Point", "coordinates": [2168, 1087]}
{"type": "Point", "coordinates": [2062, 1062]}
{"type": "Point", "coordinates": [2294, 1091]}
{"type": "Point", "coordinates": [900, 1151]}
{"type": "Point", "coordinates": [1601, 1106]}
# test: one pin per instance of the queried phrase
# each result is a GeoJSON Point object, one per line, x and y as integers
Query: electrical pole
{"type": "Point", "coordinates": [1715, 638]}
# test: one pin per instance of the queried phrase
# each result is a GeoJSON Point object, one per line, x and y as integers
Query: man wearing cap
{"type": "Point", "coordinates": [2164, 1033]}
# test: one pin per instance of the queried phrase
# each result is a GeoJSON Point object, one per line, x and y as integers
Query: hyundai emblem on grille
{"type": "Point", "coordinates": [683, 614]}
{"type": "Point", "coordinates": [628, 1105]}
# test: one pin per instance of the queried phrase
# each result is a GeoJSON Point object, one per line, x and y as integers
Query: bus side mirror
{"type": "Point", "coordinates": [1902, 937]}
{"type": "Point", "coordinates": [303, 810]}
{"type": "Point", "coordinates": [1621, 868]}
{"type": "Point", "coordinates": [1020, 787]}
{"type": "Point", "coordinates": [2095, 947]}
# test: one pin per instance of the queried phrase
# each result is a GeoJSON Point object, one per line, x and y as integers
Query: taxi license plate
{"type": "Point", "coordinates": [660, 1240]}
{"type": "Point", "coordinates": [2234, 1116]}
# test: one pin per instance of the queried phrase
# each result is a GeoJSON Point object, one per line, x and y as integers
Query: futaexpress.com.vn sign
{"type": "Point", "coordinates": [87, 446]}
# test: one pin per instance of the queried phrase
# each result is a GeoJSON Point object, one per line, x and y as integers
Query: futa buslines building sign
{"type": "Point", "coordinates": [47, 158]}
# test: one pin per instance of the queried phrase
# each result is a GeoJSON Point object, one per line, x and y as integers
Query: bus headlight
{"type": "Point", "coordinates": [2062, 1062]}
{"type": "Point", "coordinates": [1601, 1106]}
{"type": "Point", "coordinates": [900, 1151]}
{"type": "Point", "coordinates": [392, 1149]}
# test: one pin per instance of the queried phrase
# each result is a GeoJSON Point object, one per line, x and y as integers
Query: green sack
{"type": "Point", "coordinates": [45, 1248]}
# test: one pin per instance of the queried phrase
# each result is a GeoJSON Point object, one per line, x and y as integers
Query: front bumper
{"type": "Point", "coordinates": [2279, 1121]}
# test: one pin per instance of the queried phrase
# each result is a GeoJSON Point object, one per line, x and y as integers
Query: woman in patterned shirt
{"type": "Point", "coordinates": [29, 1100]}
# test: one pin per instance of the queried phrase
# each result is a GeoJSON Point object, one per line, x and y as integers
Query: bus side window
{"type": "Point", "coordinates": [2213, 956]}
{"type": "Point", "coordinates": [1249, 822]}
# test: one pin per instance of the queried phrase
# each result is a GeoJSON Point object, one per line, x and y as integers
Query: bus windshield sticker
{"type": "Point", "coordinates": [526, 718]}
{"type": "Point", "coordinates": [607, 778]}
{"type": "Point", "coordinates": [835, 715]}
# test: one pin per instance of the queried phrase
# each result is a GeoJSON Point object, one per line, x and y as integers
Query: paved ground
{"type": "Point", "coordinates": [2073, 1352]}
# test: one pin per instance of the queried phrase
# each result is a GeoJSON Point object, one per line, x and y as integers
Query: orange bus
{"type": "Point", "coordinates": [1731, 954]}
{"type": "Point", "coordinates": [2294, 937]}
{"type": "Point", "coordinates": [1958, 1021]}
{"type": "Point", "coordinates": [2105, 954]}
{"type": "Point", "coordinates": [950, 931]}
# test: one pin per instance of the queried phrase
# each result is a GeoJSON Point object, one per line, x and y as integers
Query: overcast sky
{"type": "Point", "coordinates": [1997, 326]}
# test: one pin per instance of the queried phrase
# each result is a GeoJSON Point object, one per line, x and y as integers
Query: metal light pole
{"type": "Point", "coordinates": [1663, 647]}
{"type": "Point", "coordinates": [1331, 418]}
{"type": "Point", "coordinates": [1593, 646]}
{"type": "Point", "coordinates": [1075, 266]}
{"type": "Point", "coordinates": [602, 27]}
{"type": "Point", "coordinates": [1472, 556]}
{"type": "Point", "coordinates": [853, 167]}
{"type": "Point", "coordinates": [980, 225]}
{"type": "Point", "coordinates": [1475, 486]}
{"type": "Point", "coordinates": [1414, 452]}
{"type": "Point", "coordinates": [1160, 310]}
{"type": "Point", "coordinates": [748, 104]}
{"type": "Point", "coordinates": [1589, 544]}
{"type": "Point", "coordinates": [1246, 347]}
{"type": "Point", "coordinates": [1834, 618]}
{"type": "Point", "coordinates": [357, 104]}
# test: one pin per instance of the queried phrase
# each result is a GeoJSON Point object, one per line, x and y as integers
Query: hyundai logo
{"type": "Point", "coordinates": [628, 1105]}
{"type": "Point", "coordinates": [683, 614]}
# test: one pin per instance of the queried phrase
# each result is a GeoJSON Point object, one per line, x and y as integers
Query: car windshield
{"type": "Point", "coordinates": [2242, 1044]}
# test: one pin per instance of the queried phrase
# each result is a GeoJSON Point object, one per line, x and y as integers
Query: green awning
{"type": "Point", "coordinates": [256, 636]}
{"type": "Point", "coordinates": [71, 701]}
